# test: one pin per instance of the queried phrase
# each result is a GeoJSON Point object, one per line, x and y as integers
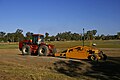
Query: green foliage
{"type": "Point", "coordinates": [91, 34]}
{"type": "Point", "coordinates": [2, 34]}
{"type": "Point", "coordinates": [18, 36]}
{"type": "Point", "coordinates": [12, 37]}
{"type": "Point", "coordinates": [94, 32]}
{"type": "Point", "coordinates": [46, 36]}
{"type": "Point", "coordinates": [52, 38]}
{"type": "Point", "coordinates": [118, 34]}
{"type": "Point", "coordinates": [64, 36]}
{"type": "Point", "coordinates": [67, 36]}
{"type": "Point", "coordinates": [28, 35]}
{"type": "Point", "coordinates": [19, 31]}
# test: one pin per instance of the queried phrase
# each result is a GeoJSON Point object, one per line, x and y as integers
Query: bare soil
{"type": "Point", "coordinates": [14, 66]}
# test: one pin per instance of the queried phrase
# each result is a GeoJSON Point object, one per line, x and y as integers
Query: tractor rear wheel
{"type": "Point", "coordinates": [26, 50]}
{"type": "Point", "coordinates": [43, 50]}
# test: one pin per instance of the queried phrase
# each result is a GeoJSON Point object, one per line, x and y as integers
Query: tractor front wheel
{"type": "Point", "coordinates": [43, 50]}
{"type": "Point", "coordinates": [26, 50]}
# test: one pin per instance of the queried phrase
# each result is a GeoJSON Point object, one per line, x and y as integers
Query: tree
{"type": "Point", "coordinates": [10, 37]}
{"type": "Point", "coordinates": [52, 38]}
{"type": "Point", "coordinates": [46, 36]}
{"type": "Point", "coordinates": [91, 34]}
{"type": "Point", "coordinates": [68, 36]}
{"type": "Point", "coordinates": [88, 35]}
{"type": "Point", "coordinates": [102, 37]}
{"type": "Point", "coordinates": [28, 34]}
{"type": "Point", "coordinates": [118, 34]}
{"type": "Point", "coordinates": [97, 37]}
{"type": "Point", "coordinates": [94, 32]}
{"type": "Point", "coordinates": [75, 36]}
{"type": "Point", "coordinates": [18, 36]}
{"type": "Point", "coordinates": [2, 34]}
{"type": "Point", "coordinates": [19, 31]}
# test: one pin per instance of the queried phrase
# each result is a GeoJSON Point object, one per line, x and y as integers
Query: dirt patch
{"type": "Point", "coordinates": [14, 66]}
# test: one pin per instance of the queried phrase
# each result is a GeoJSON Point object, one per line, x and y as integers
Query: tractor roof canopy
{"type": "Point", "coordinates": [37, 35]}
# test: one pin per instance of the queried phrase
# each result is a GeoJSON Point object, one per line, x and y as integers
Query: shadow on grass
{"type": "Point", "coordinates": [108, 70]}
{"type": "Point", "coordinates": [102, 70]}
{"type": "Point", "coordinates": [69, 68]}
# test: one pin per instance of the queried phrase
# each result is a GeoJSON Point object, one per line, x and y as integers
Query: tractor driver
{"type": "Point", "coordinates": [39, 41]}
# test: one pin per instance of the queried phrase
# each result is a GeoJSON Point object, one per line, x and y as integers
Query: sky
{"type": "Point", "coordinates": [55, 16]}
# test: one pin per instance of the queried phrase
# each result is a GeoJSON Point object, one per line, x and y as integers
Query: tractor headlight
{"type": "Point", "coordinates": [93, 44]}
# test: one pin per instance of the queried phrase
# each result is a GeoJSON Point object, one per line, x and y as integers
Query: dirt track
{"type": "Point", "coordinates": [14, 66]}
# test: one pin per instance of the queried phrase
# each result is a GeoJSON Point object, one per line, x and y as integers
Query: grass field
{"type": "Point", "coordinates": [100, 44]}
{"type": "Point", "coordinates": [9, 45]}
{"type": "Point", "coordinates": [14, 66]}
{"type": "Point", "coordinates": [68, 44]}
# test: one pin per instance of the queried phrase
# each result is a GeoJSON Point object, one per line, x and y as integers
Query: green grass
{"type": "Point", "coordinates": [68, 44]}
{"type": "Point", "coordinates": [9, 46]}
{"type": "Point", "coordinates": [100, 44]}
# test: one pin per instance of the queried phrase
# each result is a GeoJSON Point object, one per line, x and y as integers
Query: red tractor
{"type": "Point", "coordinates": [37, 46]}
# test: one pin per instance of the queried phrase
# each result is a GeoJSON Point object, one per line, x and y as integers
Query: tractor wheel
{"type": "Point", "coordinates": [102, 56]}
{"type": "Point", "coordinates": [43, 50]}
{"type": "Point", "coordinates": [26, 50]}
{"type": "Point", "coordinates": [92, 58]}
{"type": "Point", "coordinates": [105, 57]}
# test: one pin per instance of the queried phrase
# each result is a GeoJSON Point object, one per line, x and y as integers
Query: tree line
{"type": "Point", "coordinates": [89, 35]}
{"type": "Point", "coordinates": [12, 37]}
{"type": "Point", "coordinates": [64, 36]}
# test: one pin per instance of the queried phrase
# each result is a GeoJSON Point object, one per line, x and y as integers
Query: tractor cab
{"type": "Point", "coordinates": [37, 39]}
